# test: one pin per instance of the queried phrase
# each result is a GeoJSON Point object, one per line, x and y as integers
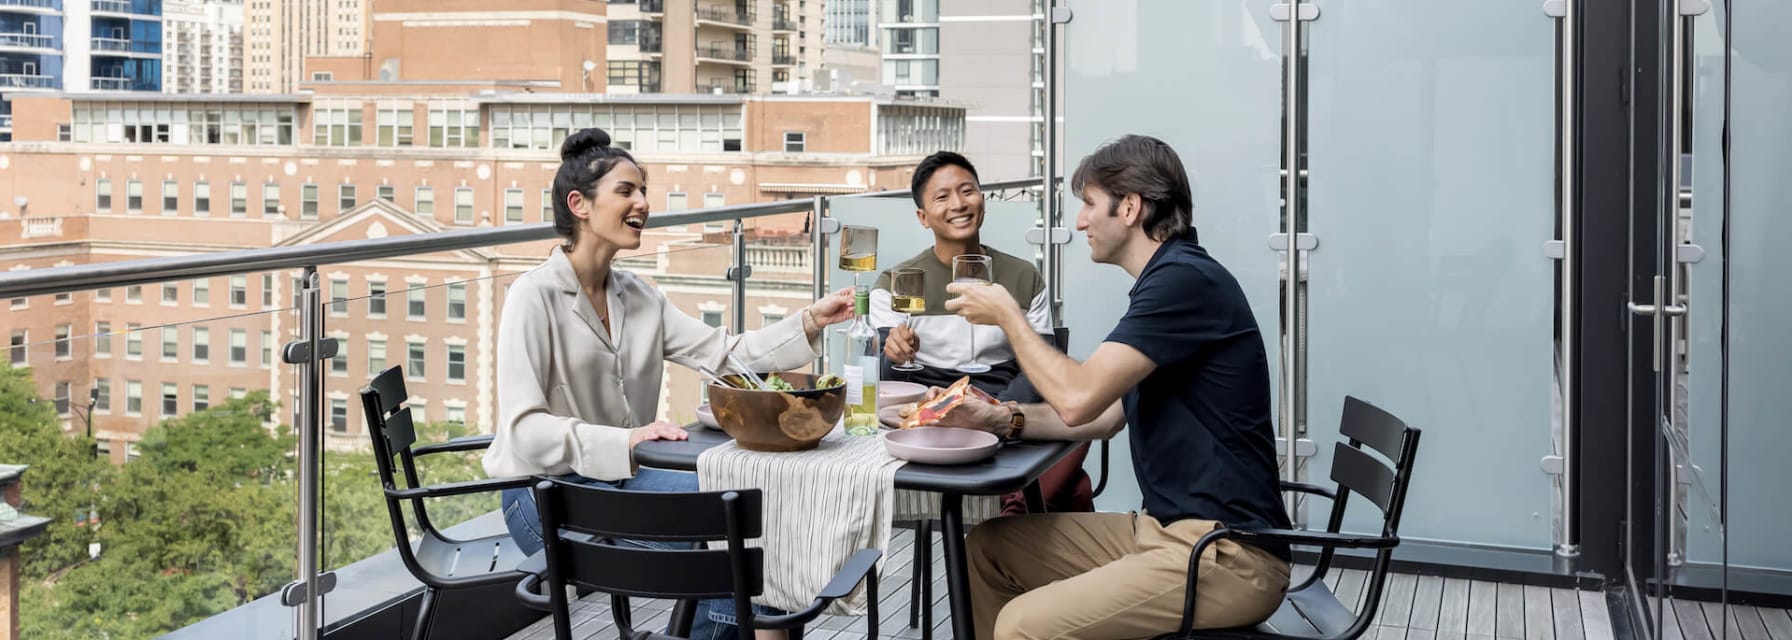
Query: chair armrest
{"type": "Point", "coordinates": [463, 443]}
{"type": "Point", "coordinates": [1309, 488]}
{"type": "Point", "coordinates": [1317, 538]}
{"type": "Point", "coordinates": [858, 568]}
{"type": "Point", "coordinates": [533, 569]}
{"type": "Point", "coordinates": [460, 488]}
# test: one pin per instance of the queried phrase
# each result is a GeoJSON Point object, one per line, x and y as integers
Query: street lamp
{"type": "Point", "coordinates": [93, 399]}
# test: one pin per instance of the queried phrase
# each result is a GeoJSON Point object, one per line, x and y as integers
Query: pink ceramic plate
{"type": "Point", "coordinates": [940, 445]}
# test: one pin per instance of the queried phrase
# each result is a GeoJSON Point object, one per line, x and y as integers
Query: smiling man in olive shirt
{"type": "Point", "coordinates": [1187, 363]}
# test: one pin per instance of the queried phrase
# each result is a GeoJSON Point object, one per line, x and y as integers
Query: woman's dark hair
{"type": "Point", "coordinates": [1146, 166]}
{"type": "Point", "coordinates": [585, 157]}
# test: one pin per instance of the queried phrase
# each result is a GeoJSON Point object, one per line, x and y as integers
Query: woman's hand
{"type": "Point", "coordinates": [659, 430]}
{"type": "Point", "coordinates": [834, 308]}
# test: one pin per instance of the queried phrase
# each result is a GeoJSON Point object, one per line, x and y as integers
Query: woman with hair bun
{"type": "Point", "coordinates": [582, 348]}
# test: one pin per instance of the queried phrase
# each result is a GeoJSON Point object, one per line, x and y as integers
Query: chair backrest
{"type": "Point", "coordinates": [596, 537]}
{"type": "Point", "coordinates": [393, 433]}
{"type": "Point", "coordinates": [1370, 432]}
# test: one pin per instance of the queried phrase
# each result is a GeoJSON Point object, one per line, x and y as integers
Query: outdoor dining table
{"type": "Point", "coordinates": [1013, 468]}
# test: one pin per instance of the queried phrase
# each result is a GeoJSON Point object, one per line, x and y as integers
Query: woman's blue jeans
{"type": "Point", "coordinates": [715, 619]}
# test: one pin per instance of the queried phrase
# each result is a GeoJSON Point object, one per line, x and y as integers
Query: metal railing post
{"type": "Point", "coordinates": [305, 353]}
{"type": "Point", "coordinates": [818, 241]}
{"type": "Point", "coordinates": [738, 273]}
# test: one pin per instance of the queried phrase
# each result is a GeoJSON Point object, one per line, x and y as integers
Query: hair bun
{"type": "Point", "coordinates": [582, 141]}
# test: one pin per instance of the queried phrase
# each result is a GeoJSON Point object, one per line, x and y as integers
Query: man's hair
{"type": "Point", "coordinates": [1146, 166]}
{"type": "Point", "coordinates": [925, 171]}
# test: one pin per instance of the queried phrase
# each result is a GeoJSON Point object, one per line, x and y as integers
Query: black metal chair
{"type": "Point", "coordinates": [1310, 610]}
{"type": "Point", "coordinates": [461, 570]}
{"type": "Point", "coordinates": [589, 547]}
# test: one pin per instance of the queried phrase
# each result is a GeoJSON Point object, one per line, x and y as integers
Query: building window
{"type": "Point", "coordinates": [102, 339]}
{"type": "Point", "coordinates": [414, 363]}
{"type": "Point", "coordinates": [395, 126]}
{"type": "Point", "coordinates": [202, 345]}
{"type": "Point", "coordinates": [417, 408]}
{"type": "Point", "coordinates": [426, 201]}
{"type": "Point", "coordinates": [547, 205]}
{"type": "Point", "coordinates": [513, 205]}
{"type": "Point", "coordinates": [336, 126]}
{"type": "Point", "coordinates": [238, 393]}
{"type": "Point", "coordinates": [133, 196]}
{"type": "Point", "coordinates": [453, 125]}
{"type": "Point", "coordinates": [795, 141]}
{"type": "Point", "coordinates": [712, 318]}
{"type": "Point", "coordinates": [322, 76]}
{"type": "Point", "coordinates": [267, 349]}
{"type": "Point", "coordinates": [170, 399]}
{"type": "Point", "coordinates": [239, 199]}
{"type": "Point", "coordinates": [308, 201]}
{"type": "Point", "coordinates": [457, 413]}
{"type": "Point", "coordinates": [713, 199]}
{"type": "Point", "coordinates": [376, 356]}
{"type": "Point", "coordinates": [170, 293]}
{"type": "Point", "coordinates": [345, 197]}
{"type": "Point", "coordinates": [385, 192]}
{"type": "Point", "coordinates": [270, 200]}
{"type": "Point", "coordinates": [170, 197]}
{"type": "Point", "coordinates": [463, 205]}
{"type": "Point", "coordinates": [676, 202]}
{"type": "Point", "coordinates": [102, 189]}
{"type": "Point", "coordinates": [769, 319]}
{"type": "Point", "coordinates": [339, 415]}
{"type": "Point", "coordinates": [414, 306]}
{"type": "Point", "coordinates": [457, 363]}
{"type": "Point", "coordinates": [457, 302]}
{"type": "Point", "coordinates": [133, 398]}
{"type": "Point", "coordinates": [339, 298]}
{"type": "Point", "coordinates": [202, 292]}
{"type": "Point", "coordinates": [202, 199]}
{"type": "Point", "coordinates": [239, 347]}
{"type": "Point", "coordinates": [376, 299]}
{"type": "Point", "coordinates": [202, 397]}
{"type": "Point", "coordinates": [267, 290]}
{"type": "Point", "coordinates": [339, 363]}
{"type": "Point", "coordinates": [625, 32]}
{"type": "Point", "coordinates": [62, 393]}
{"type": "Point", "coordinates": [133, 294]}
{"type": "Point", "coordinates": [102, 395]}
{"type": "Point", "coordinates": [63, 347]}
{"type": "Point", "coordinates": [103, 295]}
{"type": "Point", "coordinates": [239, 291]}
{"type": "Point", "coordinates": [133, 341]}
{"type": "Point", "coordinates": [170, 344]}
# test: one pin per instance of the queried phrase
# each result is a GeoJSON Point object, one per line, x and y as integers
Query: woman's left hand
{"type": "Point", "coordinates": [834, 308]}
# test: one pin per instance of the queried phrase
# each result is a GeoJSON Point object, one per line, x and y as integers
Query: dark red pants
{"type": "Point", "coordinates": [1066, 488]}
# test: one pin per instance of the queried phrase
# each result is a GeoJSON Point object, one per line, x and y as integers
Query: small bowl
{"type": "Point", "coordinates": [941, 445]}
{"type": "Point", "coordinates": [894, 392]}
{"type": "Point", "coordinates": [706, 417]}
{"type": "Point", "coordinates": [778, 420]}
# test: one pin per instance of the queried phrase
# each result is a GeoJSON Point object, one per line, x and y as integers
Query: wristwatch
{"type": "Point", "coordinates": [1017, 420]}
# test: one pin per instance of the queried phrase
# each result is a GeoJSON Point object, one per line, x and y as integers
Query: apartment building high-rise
{"type": "Point", "coordinates": [986, 54]}
{"type": "Point", "coordinates": [851, 23]}
{"type": "Point", "coordinates": [203, 48]}
{"type": "Point", "coordinates": [714, 46]}
{"type": "Point", "coordinates": [77, 46]}
{"type": "Point", "coordinates": [280, 34]}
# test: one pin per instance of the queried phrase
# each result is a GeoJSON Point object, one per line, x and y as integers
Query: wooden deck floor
{"type": "Point", "coordinates": [1414, 606]}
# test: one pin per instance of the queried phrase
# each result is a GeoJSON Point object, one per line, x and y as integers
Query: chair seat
{"type": "Point", "coordinates": [495, 555]}
{"type": "Point", "coordinates": [1312, 612]}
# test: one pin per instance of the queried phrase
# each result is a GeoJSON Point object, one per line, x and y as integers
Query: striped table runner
{"type": "Point", "coordinates": [821, 506]}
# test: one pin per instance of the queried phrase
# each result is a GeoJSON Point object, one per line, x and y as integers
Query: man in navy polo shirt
{"type": "Point", "coordinates": [1187, 363]}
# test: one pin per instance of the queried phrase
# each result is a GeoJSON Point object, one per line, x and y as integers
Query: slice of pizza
{"type": "Point", "coordinates": [931, 411]}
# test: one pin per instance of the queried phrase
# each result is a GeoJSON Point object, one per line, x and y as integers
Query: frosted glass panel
{"type": "Point", "coordinates": [1431, 193]}
{"type": "Point", "coordinates": [900, 236]}
{"type": "Point", "coordinates": [1698, 384]}
{"type": "Point", "coordinates": [1760, 346]}
{"type": "Point", "coordinates": [1206, 78]}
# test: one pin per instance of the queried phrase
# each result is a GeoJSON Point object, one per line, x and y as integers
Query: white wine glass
{"type": "Point", "coordinates": [972, 269]}
{"type": "Point", "coordinates": [908, 296]}
{"type": "Point", "coordinates": [858, 251]}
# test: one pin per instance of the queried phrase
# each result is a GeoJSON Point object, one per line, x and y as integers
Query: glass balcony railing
{"type": "Point", "coordinates": [26, 81]}
{"type": "Point", "coordinates": [735, 54]}
{"type": "Point", "coordinates": [783, 59]}
{"type": "Point", "coordinates": [652, 6]}
{"type": "Point", "coordinates": [183, 387]}
{"type": "Point", "coordinates": [112, 6]}
{"type": "Point", "coordinates": [53, 5]}
{"type": "Point", "coordinates": [725, 15]}
{"type": "Point", "coordinates": [784, 23]}
{"type": "Point", "coordinates": [112, 84]}
{"type": "Point", "coordinates": [27, 40]}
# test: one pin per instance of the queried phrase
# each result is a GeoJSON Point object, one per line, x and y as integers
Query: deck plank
{"type": "Point", "coordinates": [1396, 602]}
{"type": "Point", "coordinates": [1693, 625]}
{"type": "Point", "coordinates": [1537, 614]}
{"type": "Point", "coordinates": [1748, 620]}
{"type": "Point", "coordinates": [1452, 608]}
{"type": "Point", "coordinates": [1566, 606]}
{"type": "Point", "coordinates": [1595, 616]}
{"type": "Point", "coordinates": [1509, 612]}
{"type": "Point", "coordinates": [1483, 608]}
{"type": "Point", "coordinates": [1778, 623]}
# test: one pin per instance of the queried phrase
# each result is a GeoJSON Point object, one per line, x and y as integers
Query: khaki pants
{"type": "Point", "coordinates": [1108, 576]}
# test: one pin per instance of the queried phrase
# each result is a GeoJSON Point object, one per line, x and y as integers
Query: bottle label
{"type": "Point", "coordinates": [855, 381]}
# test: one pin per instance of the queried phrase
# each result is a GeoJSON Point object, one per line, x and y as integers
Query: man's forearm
{"type": "Point", "coordinates": [1052, 373]}
{"type": "Point", "coordinates": [1044, 423]}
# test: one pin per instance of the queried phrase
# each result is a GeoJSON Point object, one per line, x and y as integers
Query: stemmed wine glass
{"type": "Point", "coordinates": [972, 269]}
{"type": "Point", "coordinates": [858, 251]}
{"type": "Point", "coordinates": [908, 296]}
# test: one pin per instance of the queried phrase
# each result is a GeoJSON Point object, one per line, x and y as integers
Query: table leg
{"type": "Point", "coordinates": [958, 577]}
{"type": "Point", "coordinates": [1035, 498]}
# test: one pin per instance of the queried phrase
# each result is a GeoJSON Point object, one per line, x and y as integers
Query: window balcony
{"type": "Point", "coordinates": [726, 54]}
{"type": "Point", "coordinates": [38, 7]}
{"type": "Point", "coordinates": [112, 84]}
{"type": "Point", "coordinates": [726, 16]}
{"type": "Point", "coordinates": [29, 42]}
{"type": "Point", "coordinates": [26, 81]}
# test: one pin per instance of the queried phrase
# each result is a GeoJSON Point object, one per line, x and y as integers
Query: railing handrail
{"type": "Point", "coordinates": [37, 282]}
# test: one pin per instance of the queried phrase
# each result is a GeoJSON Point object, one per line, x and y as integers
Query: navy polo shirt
{"type": "Point", "coordinates": [1202, 443]}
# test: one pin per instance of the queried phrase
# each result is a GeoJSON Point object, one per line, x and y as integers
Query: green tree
{"type": "Point", "coordinates": [64, 474]}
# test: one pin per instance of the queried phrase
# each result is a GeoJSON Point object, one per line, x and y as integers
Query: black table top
{"type": "Point", "coordinates": [1011, 469]}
